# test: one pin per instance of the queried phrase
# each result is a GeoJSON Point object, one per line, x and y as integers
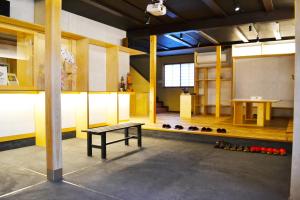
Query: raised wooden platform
{"type": "Point", "coordinates": [275, 130]}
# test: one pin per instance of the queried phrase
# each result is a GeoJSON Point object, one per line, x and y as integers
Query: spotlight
{"type": "Point", "coordinates": [148, 20]}
{"type": "Point", "coordinates": [181, 36]}
{"type": "Point", "coordinates": [237, 7]}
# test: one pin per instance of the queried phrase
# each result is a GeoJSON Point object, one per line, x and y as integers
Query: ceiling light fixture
{"type": "Point", "coordinates": [181, 36]}
{"type": "Point", "coordinates": [237, 7]}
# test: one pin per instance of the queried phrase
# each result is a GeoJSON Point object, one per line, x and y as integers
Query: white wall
{"type": "Point", "coordinates": [97, 68]}
{"type": "Point", "coordinates": [17, 114]}
{"type": "Point", "coordinates": [124, 64]}
{"type": "Point", "coordinates": [22, 10]}
{"type": "Point", "coordinates": [83, 26]}
{"type": "Point", "coordinates": [269, 77]}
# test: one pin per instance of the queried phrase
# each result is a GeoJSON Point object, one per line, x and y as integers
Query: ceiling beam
{"type": "Point", "coordinates": [208, 37]}
{"type": "Point", "coordinates": [268, 5]}
{"type": "Point", "coordinates": [162, 46]}
{"type": "Point", "coordinates": [240, 34]}
{"type": "Point", "coordinates": [238, 19]}
{"type": "Point", "coordinates": [276, 30]}
{"type": "Point", "coordinates": [217, 10]}
{"type": "Point", "coordinates": [113, 11]}
{"type": "Point", "coordinates": [178, 40]}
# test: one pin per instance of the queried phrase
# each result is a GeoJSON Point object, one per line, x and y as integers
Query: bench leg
{"type": "Point", "coordinates": [139, 135]}
{"type": "Point", "coordinates": [103, 145]}
{"type": "Point", "coordinates": [89, 144]}
{"type": "Point", "coordinates": [126, 132]}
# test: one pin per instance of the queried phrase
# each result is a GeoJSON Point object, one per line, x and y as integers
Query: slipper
{"type": "Point", "coordinates": [203, 129]}
{"type": "Point", "coordinates": [223, 130]}
{"type": "Point", "coordinates": [193, 128]}
{"type": "Point", "coordinates": [166, 126]}
{"type": "Point", "coordinates": [233, 148]}
{"type": "Point", "coordinates": [208, 129]}
{"type": "Point", "coordinates": [179, 127]}
{"type": "Point", "coordinates": [240, 148]}
{"type": "Point", "coordinates": [219, 130]}
{"type": "Point", "coordinates": [246, 149]}
{"type": "Point", "coordinates": [227, 147]}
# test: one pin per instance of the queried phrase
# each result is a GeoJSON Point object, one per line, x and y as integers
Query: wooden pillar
{"type": "Point", "coordinates": [295, 174]}
{"type": "Point", "coordinates": [112, 69]}
{"type": "Point", "coordinates": [218, 81]}
{"type": "Point", "coordinates": [152, 92]}
{"type": "Point", "coordinates": [53, 90]}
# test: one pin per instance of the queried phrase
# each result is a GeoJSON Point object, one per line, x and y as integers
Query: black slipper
{"type": "Point", "coordinates": [223, 130]}
{"type": "Point", "coordinates": [166, 126]}
{"type": "Point", "coordinates": [208, 129]}
{"type": "Point", "coordinates": [240, 148]}
{"type": "Point", "coordinates": [179, 127]}
{"type": "Point", "coordinates": [219, 130]}
{"type": "Point", "coordinates": [203, 129]}
{"type": "Point", "coordinates": [196, 128]}
{"type": "Point", "coordinates": [227, 147]}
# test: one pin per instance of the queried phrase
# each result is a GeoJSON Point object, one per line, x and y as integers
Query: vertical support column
{"type": "Point", "coordinates": [112, 69]}
{"type": "Point", "coordinates": [196, 106]}
{"type": "Point", "coordinates": [261, 114]}
{"type": "Point", "coordinates": [218, 82]}
{"type": "Point", "coordinates": [53, 90]}
{"type": "Point", "coordinates": [238, 112]}
{"type": "Point", "coordinates": [205, 91]}
{"type": "Point", "coordinates": [295, 174]}
{"type": "Point", "coordinates": [153, 63]}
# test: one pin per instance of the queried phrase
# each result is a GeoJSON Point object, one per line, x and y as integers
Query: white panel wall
{"type": "Point", "coordinates": [17, 114]}
{"type": "Point", "coordinates": [22, 10]}
{"type": "Point", "coordinates": [98, 108]}
{"type": "Point", "coordinates": [97, 68]}
{"type": "Point", "coordinates": [124, 66]}
{"type": "Point", "coordinates": [269, 77]}
{"type": "Point", "coordinates": [83, 26]}
{"type": "Point", "coordinates": [68, 110]}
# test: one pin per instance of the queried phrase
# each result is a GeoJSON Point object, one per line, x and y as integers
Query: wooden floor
{"type": "Point", "coordinates": [278, 129]}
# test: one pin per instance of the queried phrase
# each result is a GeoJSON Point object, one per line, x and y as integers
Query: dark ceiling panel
{"type": "Point", "coordinates": [191, 9]}
{"type": "Point", "coordinates": [87, 10]}
{"type": "Point", "coordinates": [223, 34]}
{"type": "Point", "coordinates": [245, 5]}
{"type": "Point", "coordinates": [283, 3]}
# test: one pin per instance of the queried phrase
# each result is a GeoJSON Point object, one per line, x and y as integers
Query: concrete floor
{"type": "Point", "coordinates": [162, 170]}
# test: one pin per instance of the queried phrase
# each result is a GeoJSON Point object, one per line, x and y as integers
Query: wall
{"type": "Point", "coordinates": [271, 78]}
{"type": "Point", "coordinates": [81, 25]}
{"type": "Point", "coordinates": [22, 10]}
{"type": "Point", "coordinates": [97, 68]}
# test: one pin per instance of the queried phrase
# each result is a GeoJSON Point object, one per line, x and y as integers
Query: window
{"type": "Point", "coordinates": [179, 75]}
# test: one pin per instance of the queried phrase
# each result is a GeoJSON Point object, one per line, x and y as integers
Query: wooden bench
{"type": "Point", "coordinates": [102, 132]}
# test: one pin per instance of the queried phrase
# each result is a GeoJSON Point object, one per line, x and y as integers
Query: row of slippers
{"type": "Point", "coordinates": [195, 128]}
{"type": "Point", "coordinates": [252, 149]}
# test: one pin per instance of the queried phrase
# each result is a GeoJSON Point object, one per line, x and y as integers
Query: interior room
{"type": "Point", "coordinates": [149, 99]}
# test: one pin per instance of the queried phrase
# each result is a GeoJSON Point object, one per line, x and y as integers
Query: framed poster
{"type": "Point", "coordinates": [3, 74]}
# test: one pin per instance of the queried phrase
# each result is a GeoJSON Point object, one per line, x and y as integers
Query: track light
{"type": "Point", "coordinates": [237, 7]}
{"type": "Point", "coordinates": [148, 20]}
{"type": "Point", "coordinates": [181, 36]}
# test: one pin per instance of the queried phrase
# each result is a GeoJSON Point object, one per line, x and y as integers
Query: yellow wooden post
{"type": "Point", "coordinates": [112, 69]}
{"type": "Point", "coordinates": [53, 90]}
{"type": "Point", "coordinates": [238, 113]}
{"type": "Point", "coordinates": [152, 103]}
{"type": "Point", "coordinates": [205, 91]}
{"type": "Point", "coordinates": [261, 112]}
{"type": "Point", "coordinates": [196, 85]}
{"type": "Point", "coordinates": [218, 82]}
{"type": "Point", "coordinates": [268, 111]}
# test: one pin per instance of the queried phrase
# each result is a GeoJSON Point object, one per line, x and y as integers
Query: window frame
{"type": "Point", "coordinates": [178, 63]}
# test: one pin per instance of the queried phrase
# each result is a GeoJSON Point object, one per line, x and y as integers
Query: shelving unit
{"type": "Point", "coordinates": [28, 43]}
{"type": "Point", "coordinates": [211, 78]}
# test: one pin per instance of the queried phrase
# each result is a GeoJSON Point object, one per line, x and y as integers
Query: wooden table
{"type": "Point", "coordinates": [264, 108]}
